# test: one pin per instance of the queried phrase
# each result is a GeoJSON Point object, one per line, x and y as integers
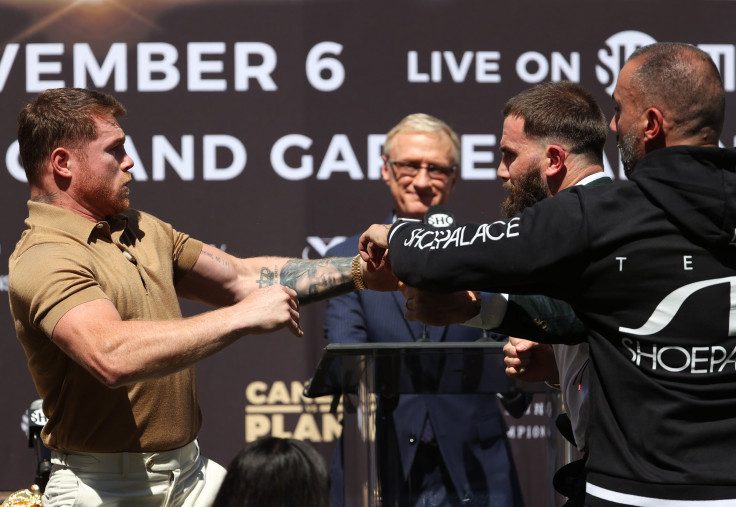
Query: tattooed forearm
{"type": "Point", "coordinates": [318, 279]}
{"type": "Point", "coordinates": [224, 262]}
{"type": "Point", "coordinates": [268, 277]}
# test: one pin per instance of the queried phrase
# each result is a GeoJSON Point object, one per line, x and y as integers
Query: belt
{"type": "Point", "coordinates": [128, 462]}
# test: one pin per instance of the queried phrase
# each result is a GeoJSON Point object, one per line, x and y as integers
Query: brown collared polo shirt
{"type": "Point", "coordinates": [134, 260]}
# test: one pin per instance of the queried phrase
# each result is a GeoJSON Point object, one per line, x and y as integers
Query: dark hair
{"type": "Point", "coordinates": [683, 82]}
{"type": "Point", "coordinates": [60, 117]}
{"type": "Point", "coordinates": [275, 472]}
{"type": "Point", "coordinates": [562, 112]}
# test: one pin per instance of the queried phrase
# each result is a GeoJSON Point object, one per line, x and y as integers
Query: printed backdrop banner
{"type": "Point", "coordinates": [257, 127]}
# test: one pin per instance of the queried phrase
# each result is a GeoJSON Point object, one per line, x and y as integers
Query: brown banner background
{"type": "Point", "coordinates": [255, 126]}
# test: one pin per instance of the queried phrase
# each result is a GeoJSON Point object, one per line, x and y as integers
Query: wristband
{"type": "Point", "coordinates": [358, 274]}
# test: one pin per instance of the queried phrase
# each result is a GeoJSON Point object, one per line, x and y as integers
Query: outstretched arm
{"type": "Point", "coordinates": [253, 296]}
{"type": "Point", "coordinates": [221, 279]}
{"type": "Point", "coordinates": [119, 352]}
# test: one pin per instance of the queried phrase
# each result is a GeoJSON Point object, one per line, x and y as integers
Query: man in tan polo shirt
{"type": "Point", "coordinates": [93, 291]}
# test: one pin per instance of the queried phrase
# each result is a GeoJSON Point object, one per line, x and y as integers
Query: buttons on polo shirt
{"type": "Point", "coordinates": [103, 228]}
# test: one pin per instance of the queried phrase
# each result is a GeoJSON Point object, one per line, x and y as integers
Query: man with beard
{"type": "Point", "coordinates": [553, 137]}
{"type": "Point", "coordinates": [648, 265]}
{"type": "Point", "coordinates": [94, 290]}
{"type": "Point", "coordinates": [437, 450]}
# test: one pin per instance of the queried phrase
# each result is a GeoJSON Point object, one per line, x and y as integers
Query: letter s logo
{"type": "Point", "coordinates": [620, 47]}
{"type": "Point", "coordinates": [667, 309]}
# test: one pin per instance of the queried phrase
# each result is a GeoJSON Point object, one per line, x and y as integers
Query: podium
{"type": "Point", "coordinates": [370, 377]}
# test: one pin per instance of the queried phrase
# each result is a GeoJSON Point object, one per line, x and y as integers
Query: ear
{"type": "Point", "coordinates": [61, 162]}
{"type": "Point", "coordinates": [654, 127]}
{"type": "Point", "coordinates": [385, 171]}
{"type": "Point", "coordinates": [453, 180]}
{"type": "Point", "coordinates": [555, 156]}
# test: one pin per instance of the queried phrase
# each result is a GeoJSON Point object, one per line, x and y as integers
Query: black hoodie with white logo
{"type": "Point", "coordinates": [649, 265]}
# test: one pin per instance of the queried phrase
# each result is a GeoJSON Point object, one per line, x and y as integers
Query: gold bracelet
{"type": "Point", "coordinates": [358, 274]}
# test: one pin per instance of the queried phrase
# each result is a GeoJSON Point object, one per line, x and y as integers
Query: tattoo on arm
{"type": "Point", "coordinates": [216, 258]}
{"type": "Point", "coordinates": [315, 280]}
{"type": "Point", "coordinates": [268, 277]}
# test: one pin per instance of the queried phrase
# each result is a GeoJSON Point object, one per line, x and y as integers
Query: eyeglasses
{"type": "Point", "coordinates": [409, 169]}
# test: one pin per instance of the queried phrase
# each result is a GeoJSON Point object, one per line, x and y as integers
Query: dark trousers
{"type": "Point", "coordinates": [429, 483]}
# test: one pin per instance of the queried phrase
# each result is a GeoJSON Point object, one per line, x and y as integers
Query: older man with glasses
{"type": "Point", "coordinates": [453, 449]}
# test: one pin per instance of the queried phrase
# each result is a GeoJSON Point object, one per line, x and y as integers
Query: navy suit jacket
{"type": "Point", "coordinates": [469, 428]}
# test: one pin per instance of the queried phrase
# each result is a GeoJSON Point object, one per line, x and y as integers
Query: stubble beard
{"type": "Point", "coordinates": [627, 147]}
{"type": "Point", "coordinates": [105, 194]}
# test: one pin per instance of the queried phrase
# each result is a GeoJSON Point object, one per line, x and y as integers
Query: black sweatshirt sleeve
{"type": "Point", "coordinates": [536, 252]}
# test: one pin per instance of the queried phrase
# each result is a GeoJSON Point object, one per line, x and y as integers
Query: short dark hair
{"type": "Point", "coordinates": [683, 82]}
{"type": "Point", "coordinates": [563, 112]}
{"type": "Point", "coordinates": [278, 472]}
{"type": "Point", "coordinates": [60, 117]}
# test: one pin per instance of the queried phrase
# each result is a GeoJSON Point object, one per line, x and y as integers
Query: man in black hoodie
{"type": "Point", "coordinates": [649, 267]}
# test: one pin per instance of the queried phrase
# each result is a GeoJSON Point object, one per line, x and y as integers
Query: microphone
{"type": "Point", "coordinates": [36, 422]}
{"type": "Point", "coordinates": [438, 218]}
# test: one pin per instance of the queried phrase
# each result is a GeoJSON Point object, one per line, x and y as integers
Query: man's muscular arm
{"type": "Point", "coordinates": [221, 279]}
{"type": "Point", "coordinates": [119, 352]}
{"type": "Point", "coordinates": [314, 280]}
